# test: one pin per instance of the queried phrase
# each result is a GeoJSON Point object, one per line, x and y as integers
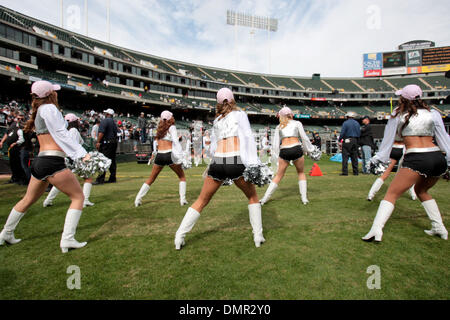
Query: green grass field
{"type": "Point", "coordinates": [311, 252]}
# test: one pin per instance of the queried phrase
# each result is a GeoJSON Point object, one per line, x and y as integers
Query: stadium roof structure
{"type": "Point", "coordinates": [69, 58]}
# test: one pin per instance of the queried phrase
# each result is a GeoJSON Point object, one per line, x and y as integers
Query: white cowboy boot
{"type": "Point", "coordinates": [190, 219]}
{"type": "Point", "coordinates": [87, 193]}
{"type": "Point", "coordinates": [302, 185]}
{"type": "Point", "coordinates": [412, 193]}
{"type": "Point", "coordinates": [375, 188]}
{"type": "Point", "coordinates": [7, 235]}
{"type": "Point", "coordinates": [70, 226]}
{"type": "Point", "coordinates": [269, 192]}
{"type": "Point", "coordinates": [182, 190]}
{"type": "Point", "coordinates": [50, 197]}
{"type": "Point", "coordinates": [437, 226]}
{"type": "Point", "coordinates": [383, 214]}
{"type": "Point", "coordinates": [254, 212]}
{"type": "Point", "coordinates": [144, 189]}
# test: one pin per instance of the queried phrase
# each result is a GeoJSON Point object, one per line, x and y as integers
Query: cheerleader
{"type": "Point", "coordinates": [206, 145]}
{"type": "Point", "coordinates": [288, 134]}
{"type": "Point", "coordinates": [395, 157]}
{"type": "Point", "coordinates": [233, 150]}
{"type": "Point", "coordinates": [423, 163]}
{"type": "Point", "coordinates": [49, 167]}
{"type": "Point", "coordinates": [168, 153]}
{"type": "Point", "coordinates": [73, 127]}
{"type": "Point", "coordinates": [264, 146]}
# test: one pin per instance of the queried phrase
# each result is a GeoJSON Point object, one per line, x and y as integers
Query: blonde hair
{"type": "Point", "coordinates": [284, 120]}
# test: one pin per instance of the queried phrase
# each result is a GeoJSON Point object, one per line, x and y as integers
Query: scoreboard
{"type": "Point", "coordinates": [435, 56]}
{"type": "Point", "coordinates": [421, 60]}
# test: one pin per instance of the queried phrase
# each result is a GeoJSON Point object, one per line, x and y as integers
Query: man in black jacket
{"type": "Point", "coordinates": [14, 139]}
{"type": "Point", "coordinates": [107, 144]}
{"type": "Point", "coordinates": [366, 142]}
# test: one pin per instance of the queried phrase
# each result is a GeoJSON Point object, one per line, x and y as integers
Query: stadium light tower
{"type": "Point", "coordinates": [246, 20]}
{"type": "Point", "coordinates": [62, 13]}
{"type": "Point", "coordinates": [108, 25]}
{"type": "Point", "coordinates": [86, 17]}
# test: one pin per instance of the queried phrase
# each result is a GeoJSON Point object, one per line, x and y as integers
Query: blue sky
{"type": "Point", "coordinates": [314, 36]}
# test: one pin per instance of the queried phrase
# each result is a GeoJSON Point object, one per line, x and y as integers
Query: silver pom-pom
{"type": "Point", "coordinates": [376, 167]}
{"type": "Point", "coordinates": [227, 182]}
{"type": "Point", "coordinates": [259, 175]}
{"type": "Point", "coordinates": [186, 162]}
{"type": "Point", "coordinates": [316, 154]}
{"type": "Point", "coordinates": [97, 164]}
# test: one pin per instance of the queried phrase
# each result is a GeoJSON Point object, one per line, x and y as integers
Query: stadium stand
{"type": "Point", "coordinates": [312, 85]}
{"type": "Point", "coordinates": [374, 85]}
{"type": "Point", "coordinates": [80, 63]}
{"type": "Point", "coordinates": [437, 82]}
{"type": "Point", "coordinates": [284, 83]}
{"type": "Point", "coordinates": [343, 85]}
{"type": "Point", "coordinates": [253, 80]}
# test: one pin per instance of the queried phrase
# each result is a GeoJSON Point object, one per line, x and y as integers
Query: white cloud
{"type": "Point", "coordinates": [323, 36]}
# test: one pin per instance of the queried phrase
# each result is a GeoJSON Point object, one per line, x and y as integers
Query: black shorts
{"type": "Point", "coordinates": [291, 154]}
{"type": "Point", "coordinates": [222, 169]}
{"type": "Point", "coordinates": [47, 166]}
{"type": "Point", "coordinates": [164, 159]}
{"type": "Point", "coordinates": [396, 153]}
{"type": "Point", "coordinates": [428, 164]}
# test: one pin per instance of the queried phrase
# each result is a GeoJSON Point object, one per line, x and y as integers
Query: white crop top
{"type": "Point", "coordinates": [291, 130]}
{"type": "Point", "coordinates": [52, 121]}
{"type": "Point", "coordinates": [424, 124]}
{"type": "Point", "coordinates": [226, 127]}
{"type": "Point", "coordinates": [420, 124]}
{"type": "Point", "coordinates": [177, 151]}
{"type": "Point", "coordinates": [236, 124]}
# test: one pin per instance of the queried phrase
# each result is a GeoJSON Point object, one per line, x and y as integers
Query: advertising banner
{"type": "Point", "coordinates": [302, 116]}
{"type": "Point", "coordinates": [414, 58]}
{"type": "Point", "coordinates": [372, 73]}
{"type": "Point", "coordinates": [436, 68]}
{"type": "Point", "coordinates": [416, 44]}
{"type": "Point", "coordinates": [372, 61]}
{"type": "Point", "coordinates": [413, 70]}
{"type": "Point", "coordinates": [394, 71]}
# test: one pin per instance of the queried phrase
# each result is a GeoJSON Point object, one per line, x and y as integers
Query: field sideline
{"type": "Point", "coordinates": [311, 252]}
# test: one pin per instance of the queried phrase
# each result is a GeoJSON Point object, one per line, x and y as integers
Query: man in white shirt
{"type": "Point", "coordinates": [94, 132]}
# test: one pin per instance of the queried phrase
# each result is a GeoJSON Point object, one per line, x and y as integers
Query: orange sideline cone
{"type": "Point", "coordinates": [315, 171]}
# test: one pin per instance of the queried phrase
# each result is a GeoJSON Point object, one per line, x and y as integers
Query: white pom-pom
{"type": "Point", "coordinates": [316, 154]}
{"type": "Point", "coordinates": [376, 167]}
{"type": "Point", "coordinates": [97, 164]}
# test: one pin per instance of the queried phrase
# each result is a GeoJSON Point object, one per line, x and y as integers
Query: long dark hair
{"type": "Point", "coordinates": [163, 127]}
{"type": "Point", "coordinates": [35, 104]}
{"type": "Point", "coordinates": [74, 124]}
{"type": "Point", "coordinates": [410, 107]}
{"type": "Point", "coordinates": [222, 109]}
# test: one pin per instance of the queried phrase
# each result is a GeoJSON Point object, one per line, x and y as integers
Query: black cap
{"type": "Point", "coordinates": [365, 117]}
